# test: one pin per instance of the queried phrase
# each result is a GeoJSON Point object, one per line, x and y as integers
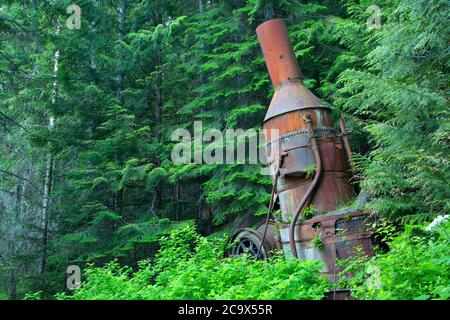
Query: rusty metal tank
{"type": "Point", "coordinates": [291, 102]}
{"type": "Point", "coordinates": [310, 161]}
{"type": "Point", "coordinates": [311, 164]}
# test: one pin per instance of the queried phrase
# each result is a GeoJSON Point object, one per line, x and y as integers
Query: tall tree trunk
{"type": "Point", "coordinates": [158, 121]}
{"type": "Point", "coordinates": [158, 94]}
{"type": "Point", "coordinates": [48, 176]}
{"type": "Point", "coordinates": [158, 113]}
{"type": "Point", "coordinates": [122, 32]}
{"type": "Point", "coordinates": [12, 284]}
{"type": "Point", "coordinates": [269, 10]}
{"type": "Point", "coordinates": [46, 210]}
{"type": "Point", "coordinates": [201, 10]}
{"type": "Point", "coordinates": [239, 37]}
{"type": "Point", "coordinates": [122, 12]}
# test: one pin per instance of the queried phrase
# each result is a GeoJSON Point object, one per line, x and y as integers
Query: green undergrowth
{"type": "Point", "coordinates": [190, 266]}
{"type": "Point", "coordinates": [415, 267]}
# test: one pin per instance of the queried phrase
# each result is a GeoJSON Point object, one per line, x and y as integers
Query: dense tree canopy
{"type": "Point", "coordinates": [87, 115]}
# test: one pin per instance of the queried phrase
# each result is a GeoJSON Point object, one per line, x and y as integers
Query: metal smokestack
{"type": "Point", "coordinates": [307, 157]}
{"type": "Point", "coordinates": [310, 170]}
{"type": "Point", "coordinates": [278, 52]}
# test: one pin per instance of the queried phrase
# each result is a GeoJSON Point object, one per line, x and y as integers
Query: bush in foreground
{"type": "Point", "coordinates": [416, 267]}
{"type": "Point", "coordinates": [190, 266]}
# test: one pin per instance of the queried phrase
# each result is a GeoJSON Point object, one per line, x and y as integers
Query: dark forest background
{"type": "Point", "coordinates": [86, 117]}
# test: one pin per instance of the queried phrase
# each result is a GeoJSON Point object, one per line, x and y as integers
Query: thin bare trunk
{"type": "Point", "coordinates": [120, 76]}
{"type": "Point", "coordinates": [46, 209]}
{"type": "Point", "coordinates": [159, 98]}
{"type": "Point", "coordinates": [269, 10]}
{"type": "Point", "coordinates": [12, 285]}
{"type": "Point", "coordinates": [48, 180]}
{"type": "Point", "coordinates": [158, 120]}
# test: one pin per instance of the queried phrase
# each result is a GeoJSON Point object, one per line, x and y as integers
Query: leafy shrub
{"type": "Point", "coordinates": [309, 212]}
{"type": "Point", "coordinates": [317, 242]}
{"type": "Point", "coordinates": [190, 266]}
{"type": "Point", "coordinates": [33, 296]}
{"type": "Point", "coordinates": [3, 296]}
{"type": "Point", "coordinates": [416, 267]}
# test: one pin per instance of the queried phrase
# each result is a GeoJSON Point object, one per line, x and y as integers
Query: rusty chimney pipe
{"type": "Point", "coordinates": [300, 138]}
{"type": "Point", "coordinates": [299, 130]}
{"type": "Point", "coordinates": [278, 51]}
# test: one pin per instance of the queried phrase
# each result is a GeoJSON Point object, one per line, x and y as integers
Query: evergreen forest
{"type": "Point", "coordinates": [91, 92]}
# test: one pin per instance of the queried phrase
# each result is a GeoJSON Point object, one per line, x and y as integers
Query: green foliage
{"type": "Point", "coordinates": [130, 77]}
{"type": "Point", "coordinates": [33, 296]}
{"type": "Point", "coordinates": [317, 242]}
{"type": "Point", "coordinates": [277, 214]}
{"type": "Point", "coordinates": [309, 211]}
{"type": "Point", "coordinates": [310, 171]}
{"type": "Point", "coordinates": [416, 267]}
{"type": "Point", "coordinates": [190, 266]}
{"type": "Point", "coordinates": [397, 96]}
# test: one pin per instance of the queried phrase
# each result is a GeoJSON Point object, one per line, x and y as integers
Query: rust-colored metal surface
{"type": "Point", "coordinates": [277, 50]}
{"type": "Point", "coordinates": [314, 170]}
{"type": "Point", "coordinates": [291, 95]}
{"type": "Point", "coordinates": [292, 103]}
{"type": "Point", "coordinates": [343, 234]}
{"type": "Point", "coordinates": [272, 242]}
{"type": "Point", "coordinates": [248, 240]}
{"type": "Point", "coordinates": [332, 192]}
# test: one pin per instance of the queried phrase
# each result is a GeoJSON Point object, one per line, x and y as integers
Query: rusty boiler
{"type": "Point", "coordinates": [310, 161]}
